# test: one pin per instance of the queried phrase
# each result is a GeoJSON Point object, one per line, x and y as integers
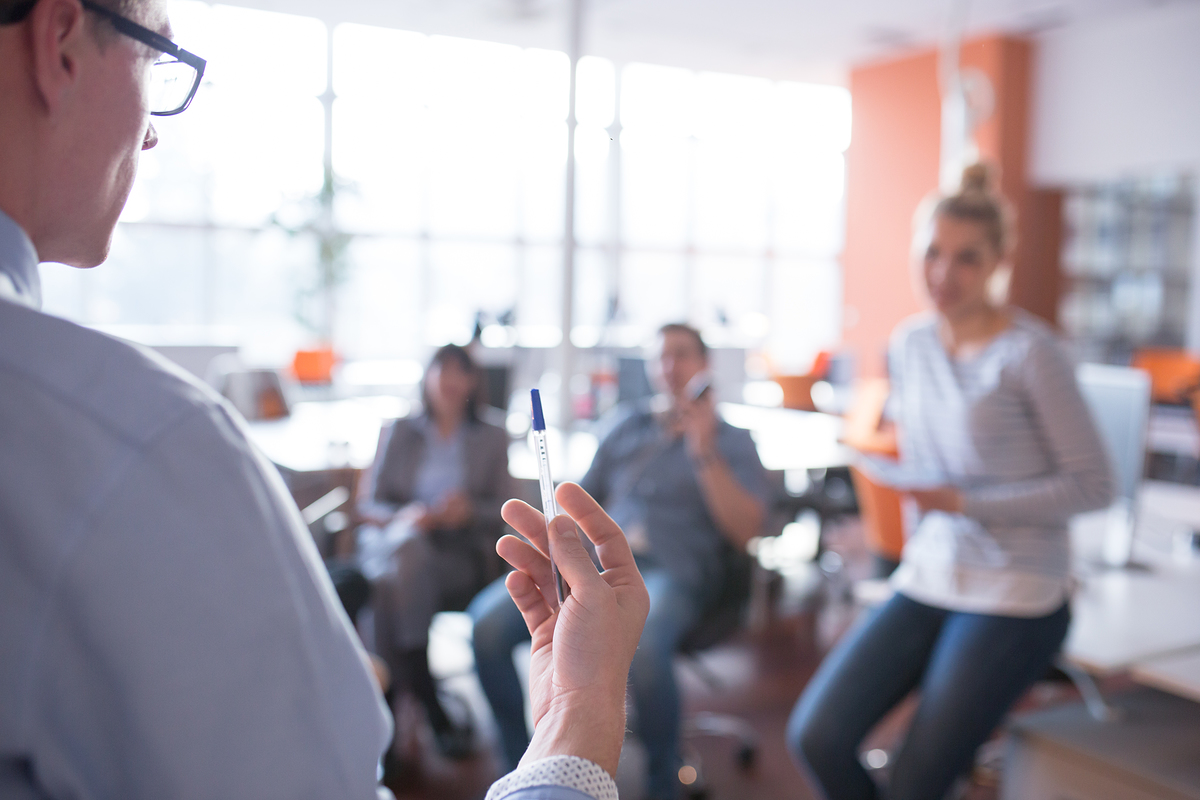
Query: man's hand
{"type": "Point", "coordinates": [698, 420]}
{"type": "Point", "coordinates": [581, 651]}
{"type": "Point", "coordinates": [943, 498]}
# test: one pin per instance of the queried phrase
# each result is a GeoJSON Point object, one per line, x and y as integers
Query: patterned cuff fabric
{"type": "Point", "coordinates": [569, 771]}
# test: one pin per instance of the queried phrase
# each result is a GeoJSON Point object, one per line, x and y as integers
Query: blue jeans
{"type": "Point", "coordinates": [674, 610]}
{"type": "Point", "coordinates": [968, 668]}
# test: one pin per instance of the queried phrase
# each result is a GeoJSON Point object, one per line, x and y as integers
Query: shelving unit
{"type": "Point", "coordinates": [1126, 262]}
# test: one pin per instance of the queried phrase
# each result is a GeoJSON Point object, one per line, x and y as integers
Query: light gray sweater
{"type": "Point", "coordinates": [1010, 429]}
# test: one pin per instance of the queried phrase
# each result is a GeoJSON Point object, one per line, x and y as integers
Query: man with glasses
{"type": "Point", "coordinates": [166, 626]}
{"type": "Point", "coordinates": [166, 630]}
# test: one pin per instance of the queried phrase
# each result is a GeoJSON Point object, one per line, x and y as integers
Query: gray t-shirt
{"type": "Point", "coordinates": [646, 481]}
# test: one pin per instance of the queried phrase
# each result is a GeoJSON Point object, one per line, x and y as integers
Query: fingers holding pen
{"type": "Point", "coordinates": [611, 545]}
{"type": "Point", "coordinates": [529, 600]}
{"type": "Point", "coordinates": [532, 563]}
{"type": "Point", "coordinates": [527, 521]}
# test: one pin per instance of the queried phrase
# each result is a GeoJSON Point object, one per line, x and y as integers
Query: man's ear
{"type": "Point", "coordinates": [58, 32]}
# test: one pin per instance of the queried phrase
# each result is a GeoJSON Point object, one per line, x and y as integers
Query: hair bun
{"type": "Point", "coordinates": [977, 178]}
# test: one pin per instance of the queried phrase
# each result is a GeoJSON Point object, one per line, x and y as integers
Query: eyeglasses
{"type": "Point", "coordinates": [174, 77]}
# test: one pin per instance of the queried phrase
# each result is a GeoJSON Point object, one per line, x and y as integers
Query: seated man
{"type": "Point", "coordinates": [686, 488]}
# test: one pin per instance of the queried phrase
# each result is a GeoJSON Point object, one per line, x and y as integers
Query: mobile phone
{"type": "Point", "coordinates": [700, 383]}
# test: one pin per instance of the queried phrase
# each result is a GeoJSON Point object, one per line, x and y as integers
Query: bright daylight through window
{"type": "Point", "coordinates": [709, 197]}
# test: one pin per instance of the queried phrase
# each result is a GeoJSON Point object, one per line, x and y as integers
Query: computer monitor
{"type": "Point", "coordinates": [1119, 399]}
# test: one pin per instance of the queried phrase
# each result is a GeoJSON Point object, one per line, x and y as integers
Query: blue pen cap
{"type": "Point", "coordinates": [539, 421]}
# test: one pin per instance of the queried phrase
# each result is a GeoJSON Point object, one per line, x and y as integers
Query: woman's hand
{"type": "Point", "coordinates": [943, 498]}
{"type": "Point", "coordinates": [455, 511]}
{"type": "Point", "coordinates": [582, 649]}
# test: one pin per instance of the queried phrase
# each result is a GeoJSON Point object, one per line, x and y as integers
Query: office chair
{"type": "Point", "coordinates": [725, 618]}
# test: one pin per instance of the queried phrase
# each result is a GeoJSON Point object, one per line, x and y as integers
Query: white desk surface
{"type": "Point", "coordinates": [785, 439]}
{"type": "Point", "coordinates": [789, 439]}
{"type": "Point", "coordinates": [1126, 616]}
{"type": "Point", "coordinates": [1178, 674]}
{"type": "Point", "coordinates": [1173, 429]}
{"type": "Point", "coordinates": [327, 434]}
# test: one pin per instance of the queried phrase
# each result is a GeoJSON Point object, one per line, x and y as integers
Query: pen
{"type": "Point", "coordinates": [549, 507]}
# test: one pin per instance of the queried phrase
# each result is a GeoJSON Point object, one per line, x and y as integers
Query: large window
{"type": "Point", "coordinates": [715, 198]}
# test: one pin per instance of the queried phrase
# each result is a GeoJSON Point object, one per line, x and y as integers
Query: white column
{"type": "Point", "coordinates": [575, 11]}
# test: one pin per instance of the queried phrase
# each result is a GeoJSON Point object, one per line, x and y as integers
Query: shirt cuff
{"type": "Point", "coordinates": [571, 772]}
{"type": "Point", "coordinates": [978, 508]}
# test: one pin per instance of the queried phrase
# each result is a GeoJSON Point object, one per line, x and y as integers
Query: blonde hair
{"type": "Point", "coordinates": [978, 201]}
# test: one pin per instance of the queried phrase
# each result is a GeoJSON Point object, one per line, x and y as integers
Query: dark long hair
{"type": "Point", "coordinates": [452, 353]}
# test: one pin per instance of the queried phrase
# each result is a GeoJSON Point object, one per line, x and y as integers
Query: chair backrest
{"type": "Point", "coordinates": [632, 381]}
{"type": "Point", "coordinates": [1119, 399]}
{"type": "Point", "coordinates": [861, 422]}
{"type": "Point", "coordinates": [797, 391]}
{"type": "Point", "coordinates": [882, 516]}
{"type": "Point", "coordinates": [256, 393]}
{"type": "Point", "coordinates": [1172, 372]}
{"type": "Point", "coordinates": [725, 615]}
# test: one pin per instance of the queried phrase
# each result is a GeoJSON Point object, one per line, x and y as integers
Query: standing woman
{"type": "Point", "coordinates": [433, 496]}
{"type": "Point", "coordinates": [985, 400]}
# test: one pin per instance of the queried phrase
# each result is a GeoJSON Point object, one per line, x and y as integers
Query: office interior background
{"type": "Point", "coordinates": [370, 180]}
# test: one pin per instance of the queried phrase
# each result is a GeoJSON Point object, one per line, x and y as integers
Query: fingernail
{"type": "Point", "coordinates": [563, 526]}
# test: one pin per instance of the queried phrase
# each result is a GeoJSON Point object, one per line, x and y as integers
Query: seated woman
{"type": "Point", "coordinates": [994, 431]}
{"type": "Point", "coordinates": [432, 500]}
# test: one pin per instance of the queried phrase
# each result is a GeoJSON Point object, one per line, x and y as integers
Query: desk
{"type": "Point", "coordinates": [785, 439]}
{"type": "Point", "coordinates": [1125, 616]}
{"type": "Point", "coordinates": [1150, 752]}
{"type": "Point", "coordinates": [1178, 674]}
{"type": "Point", "coordinates": [1173, 430]}
{"type": "Point", "coordinates": [570, 455]}
{"type": "Point", "coordinates": [789, 439]}
{"type": "Point", "coordinates": [320, 436]}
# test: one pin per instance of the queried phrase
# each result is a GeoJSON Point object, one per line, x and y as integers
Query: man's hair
{"type": "Point", "coordinates": [125, 8]}
{"type": "Point", "coordinates": [687, 330]}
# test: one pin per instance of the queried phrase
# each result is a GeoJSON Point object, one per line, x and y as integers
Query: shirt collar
{"type": "Point", "coordinates": [19, 280]}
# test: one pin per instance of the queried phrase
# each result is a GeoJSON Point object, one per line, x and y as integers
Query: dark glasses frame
{"type": "Point", "coordinates": [133, 30]}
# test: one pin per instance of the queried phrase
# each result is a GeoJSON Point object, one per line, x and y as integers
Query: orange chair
{"type": "Point", "coordinates": [797, 389]}
{"type": "Point", "coordinates": [1173, 373]}
{"type": "Point", "coordinates": [882, 516]}
{"type": "Point", "coordinates": [314, 366]}
{"type": "Point", "coordinates": [878, 505]}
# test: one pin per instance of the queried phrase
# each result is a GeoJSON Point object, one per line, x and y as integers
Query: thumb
{"type": "Point", "coordinates": [567, 552]}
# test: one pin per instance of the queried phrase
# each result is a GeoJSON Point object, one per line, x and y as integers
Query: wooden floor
{"type": "Point", "coordinates": [760, 673]}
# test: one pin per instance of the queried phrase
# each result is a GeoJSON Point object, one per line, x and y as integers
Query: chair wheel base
{"type": "Point", "coordinates": [747, 754]}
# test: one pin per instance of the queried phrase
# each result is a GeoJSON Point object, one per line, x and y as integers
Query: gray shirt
{"type": "Point", "coordinates": [1011, 430]}
{"type": "Point", "coordinates": [166, 626]}
{"type": "Point", "coordinates": [646, 482]}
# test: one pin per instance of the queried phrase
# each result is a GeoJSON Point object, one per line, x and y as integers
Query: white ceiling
{"type": "Point", "coordinates": [815, 40]}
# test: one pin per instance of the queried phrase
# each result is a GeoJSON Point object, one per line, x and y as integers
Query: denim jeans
{"type": "Point", "coordinates": [968, 669]}
{"type": "Point", "coordinates": [674, 610]}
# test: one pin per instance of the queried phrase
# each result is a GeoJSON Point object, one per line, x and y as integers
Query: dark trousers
{"type": "Point", "coordinates": [969, 669]}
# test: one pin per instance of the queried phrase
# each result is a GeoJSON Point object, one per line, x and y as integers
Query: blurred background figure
{"type": "Point", "coordinates": [998, 450]}
{"type": "Point", "coordinates": [432, 503]}
{"type": "Point", "coordinates": [689, 491]}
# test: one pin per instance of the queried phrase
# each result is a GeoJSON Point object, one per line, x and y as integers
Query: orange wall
{"type": "Point", "coordinates": [892, 164]}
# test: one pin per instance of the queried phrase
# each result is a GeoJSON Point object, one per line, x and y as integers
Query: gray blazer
{"type": "Point", "coordinates": [389, 482]}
